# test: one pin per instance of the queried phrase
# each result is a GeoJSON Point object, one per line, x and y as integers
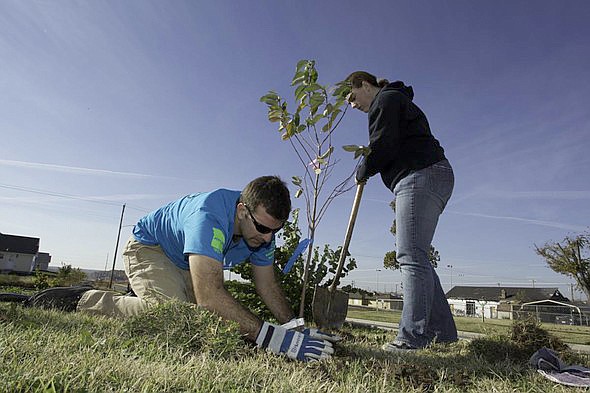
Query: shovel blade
{"type": "Point", "coordinates": [329, 308]}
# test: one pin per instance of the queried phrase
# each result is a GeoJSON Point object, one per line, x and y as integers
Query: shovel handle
{"type": "Point", "coordinates": [351, 221]}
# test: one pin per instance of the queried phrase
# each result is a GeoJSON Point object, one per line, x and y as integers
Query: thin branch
{"type": "Point", "coordinates": [298, 139]}
{"type": "Point", "coordinates": [337, 123]}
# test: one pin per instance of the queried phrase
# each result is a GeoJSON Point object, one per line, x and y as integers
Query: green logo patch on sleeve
{"type": "Point", "coordinates": [270, 254]}
{"type": "Point", "coordinates": [218, 240]}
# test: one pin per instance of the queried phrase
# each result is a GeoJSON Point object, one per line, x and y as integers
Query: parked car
{"type": "Point", "coordinates": [564, 320]}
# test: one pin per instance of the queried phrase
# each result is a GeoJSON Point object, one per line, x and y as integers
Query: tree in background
{"type": "Point", "coordinates": [570, 257]}
{"type": "Point", "coordinates": [309, 131]}
{"type": "Point", "coordinates": [67, 276]}
{"type": "Point", "coordinates": [390, 259]}
{"type": "Point", "coordinates": [322, 263]}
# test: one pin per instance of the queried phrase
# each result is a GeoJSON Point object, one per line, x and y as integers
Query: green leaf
{"type": "Point", "coordinates": [313, 88]}
{"type": "Point", "coordinates": [275, 115]}
{"type": "Point", "coordinates": [300, 92]}
{"type": "Point", "coordinates": [271, 98]}
{"type": "Point", "coordinates": [315, 101]}
{"type": "Point", "coordinates": [327, 153]}
{"type": "Point", "coordinates": [301, 64]}
{"type": "Point", "coordinates": [342, 89]}
{"type": "Point", "coordinates": [298, 78]}
{"type": "Point", "coordinates": [316, 98]}
{"type": "Point", "coordinates": [301, 106]}
{"type": "Point", "coordinates": [313, 75]}
{"type": "Point", "coordinates": [351, 148]}
{"type": "Point", "coordinates": [366, 150]}
{"type": "Point", "coordinates": [335, 114]}
{"type": "Point", "coordinates": [298, 193]}
{"type": "Point", "coordinates": [291, 128]}
{"type": "Point", "coordinates": [301, 128]}
{"type": "Point", "coordinates": [296, 180]}
{"type": "Point", "coordinates": [314, 119]}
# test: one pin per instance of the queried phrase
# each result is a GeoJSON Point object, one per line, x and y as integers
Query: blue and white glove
{"type": "Point", "coordinates": [318, 334]}
{"type": "Point", "coordinates": [298, 323]}
{"type": "Point", "coordinates": [294, 345]}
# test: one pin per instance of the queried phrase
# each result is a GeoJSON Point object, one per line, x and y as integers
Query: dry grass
{"type": "Point", "coordinates": [178, 348]}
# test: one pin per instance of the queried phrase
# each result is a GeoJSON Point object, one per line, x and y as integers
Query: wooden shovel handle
{"type": "Point", "coordinates": [351, 221]}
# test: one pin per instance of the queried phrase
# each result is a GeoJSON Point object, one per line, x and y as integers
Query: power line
{"type": "Point", "coordinates": [68, 196]}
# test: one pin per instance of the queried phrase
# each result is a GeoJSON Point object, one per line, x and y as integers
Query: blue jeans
{"type": "Point", "coordinates": [420, 198]}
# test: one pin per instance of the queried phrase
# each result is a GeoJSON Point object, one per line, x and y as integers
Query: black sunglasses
{"type": "Point", "coordinates": [262, 228]}
{"type": "Point", "coordinates": [350, 97]}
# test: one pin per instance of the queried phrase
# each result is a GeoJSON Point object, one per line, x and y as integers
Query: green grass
{"type": "Point", "coordinates": [567, 333]}
{"type": "Point", "coordinates": [16, 281]}
{"type": "Point", "coordinates": [179, 348]}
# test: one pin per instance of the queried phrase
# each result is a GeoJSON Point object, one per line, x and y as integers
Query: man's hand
{"type": "Point", "coordinates": [294, 345]}
{"type": "Point", "coordinates": [361, 175]}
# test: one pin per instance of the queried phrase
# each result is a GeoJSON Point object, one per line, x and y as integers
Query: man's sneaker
{"type": "Point", "coordinates": [398, 346]}
{"type": "Point", "coordinates": [58, 298]}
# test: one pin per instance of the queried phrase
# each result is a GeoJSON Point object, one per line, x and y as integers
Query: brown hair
{"type": "Point", "coordinates": [270, 192]}
{"type": "Point", "coordinates": [357, 78]}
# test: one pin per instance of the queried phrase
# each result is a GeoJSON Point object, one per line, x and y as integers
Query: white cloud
{"type": "Point", "coordinates": [552, 224]}
{"type": "Point", "coordinates": [74, 170]}
{"type": "Point", "coordinates": [569, 195]}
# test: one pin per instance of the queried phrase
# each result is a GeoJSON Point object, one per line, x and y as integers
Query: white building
{"type": "Point", "coordinates": [18, 254]}
{"type": "Point", "coordinates": [496, 302]}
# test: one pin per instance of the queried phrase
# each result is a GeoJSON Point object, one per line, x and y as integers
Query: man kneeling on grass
{"type": "Point", "coordinates": [180, 250]}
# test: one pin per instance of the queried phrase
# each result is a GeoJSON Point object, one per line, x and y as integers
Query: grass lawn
{"type": "Point", "coordinates": [179, 348]}
{"type": "Point", "coordinates": [567, 333]}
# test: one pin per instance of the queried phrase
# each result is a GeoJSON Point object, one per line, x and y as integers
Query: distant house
{"type": "Point", "coordinates": [387, 301]}
{"type": "Point", "coordinates": [20, 254]}
{"type": "Point", "coordinates": [497, 302]}
{"type": "Point", "coordinates": [42, 261]}
{"type": "Point", "coordinates": [357, 299]}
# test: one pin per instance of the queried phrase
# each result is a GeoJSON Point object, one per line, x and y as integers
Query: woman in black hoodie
{"type": "Point", "coordinates": [413, 166]}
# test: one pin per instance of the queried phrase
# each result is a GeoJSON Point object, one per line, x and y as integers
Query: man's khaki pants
{"type": "Point", "coordinates": [153, 277]}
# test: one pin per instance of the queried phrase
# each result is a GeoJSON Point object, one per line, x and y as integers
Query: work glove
{"type": "Point", "coordinates": [318, 334]}
{"type": "Point", "coordinates": [293, 344]}
{"type": "Point", "coordinates": [299, 325]}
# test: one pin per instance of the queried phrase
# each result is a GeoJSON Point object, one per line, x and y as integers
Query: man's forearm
{"type": "Point", "coordinates": [223, 303]}
{"type": "Point", "coordinates": [271, 293]}
{"type": "Point", "coordinates": [276, 301]}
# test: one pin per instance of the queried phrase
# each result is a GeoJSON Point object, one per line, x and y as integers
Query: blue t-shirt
{"type": "Point", "coordinates": [201, 224]}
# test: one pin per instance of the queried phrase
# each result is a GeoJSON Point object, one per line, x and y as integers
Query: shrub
{"type": "Point", "coordinates": [291, 283]}
{"type": "Point", "coordinates": [67, 276]}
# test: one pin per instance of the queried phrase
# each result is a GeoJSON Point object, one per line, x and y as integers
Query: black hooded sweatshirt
{"type": "Point", "coordinates": [399, 137]}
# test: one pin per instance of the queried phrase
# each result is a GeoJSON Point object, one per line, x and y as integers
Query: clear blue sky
{"type": "Point", "coordinates": [141, 102]}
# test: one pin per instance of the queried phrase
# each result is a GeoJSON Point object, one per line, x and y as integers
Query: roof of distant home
{"type": "Point", "coordinates": [19, 244]}
{"type": "Point", "coordinates": [508, 294]}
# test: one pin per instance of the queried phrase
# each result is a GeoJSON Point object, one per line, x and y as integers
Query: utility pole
{"type": "Point", "coordinates": [116, 248]}
{"type": "Point", "coordinates": [451, 267]}
{"type": "Point", "coordinates": [533, 283]}
{"type": "Point", "coordinates": [377, 274]}
{"type": "Point", "coordinates": [572, 291]}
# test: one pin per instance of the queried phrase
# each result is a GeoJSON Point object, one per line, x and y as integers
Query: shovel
{"type": "Point", "coordinates": [330, 306]}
